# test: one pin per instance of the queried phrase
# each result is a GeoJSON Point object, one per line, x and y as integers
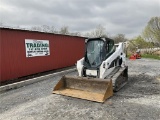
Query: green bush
{"type": "Point", "coordinates": [151, 56]}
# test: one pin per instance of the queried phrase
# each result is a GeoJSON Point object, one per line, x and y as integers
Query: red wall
{"type": "Point", "coordinates": [64, 51]}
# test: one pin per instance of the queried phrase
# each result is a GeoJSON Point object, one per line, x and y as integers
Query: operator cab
{"type": "Point", "coordinates": [97, 50]}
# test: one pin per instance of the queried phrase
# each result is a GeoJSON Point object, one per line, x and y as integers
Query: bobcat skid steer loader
{"type": "Point", "coordinates": [101, 72]}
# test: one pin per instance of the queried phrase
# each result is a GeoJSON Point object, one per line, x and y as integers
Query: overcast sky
{"type": "Point", "coordinates": [128, 17]}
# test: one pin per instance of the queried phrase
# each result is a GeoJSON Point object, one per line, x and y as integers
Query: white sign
{"type": "Point", "coordinates": [36, 47]}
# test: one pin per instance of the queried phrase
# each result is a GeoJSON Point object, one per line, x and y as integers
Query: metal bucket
{"type": "Point", "coordinates": [93, 89]}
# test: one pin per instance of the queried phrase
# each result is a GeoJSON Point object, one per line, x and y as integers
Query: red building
{"type": "Point", "coordinates": [64, 51]}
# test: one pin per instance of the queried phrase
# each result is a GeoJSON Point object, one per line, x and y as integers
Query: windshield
{"type": "Point", "coordinates": [94, 52]}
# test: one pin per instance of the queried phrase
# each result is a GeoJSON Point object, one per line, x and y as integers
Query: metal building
{"type": "Point", "coordinates": [64, 51]}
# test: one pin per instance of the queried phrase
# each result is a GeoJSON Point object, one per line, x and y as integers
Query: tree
{"type": "Point", "coordinates": [152, 30]}
{"type": "Point", "coordinates": [75, 33]}
{"type": "Point", "coordinates": [64, 30]}
{"type": "Point", "coordinates": [45, 28]}
{"type": "Point", "coordinates": [36, 28]}
{"type": "Point", "coordinates": [141, 43]}
{"type": "Point", "coordinates": [52, 29]}
{"type": "Point", "coordinates": [99, 31]}
{"type": "Point", "coordinates": [119, 38]}
{"type": "Point", "coordinates": [138, 43]}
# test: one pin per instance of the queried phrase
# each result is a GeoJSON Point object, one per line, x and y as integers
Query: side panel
{"type": "Point", "coordinates": [64, 51]}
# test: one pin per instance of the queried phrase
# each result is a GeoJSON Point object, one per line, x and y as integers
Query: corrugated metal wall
{"type": "Point", "coordinates": [64, 51]}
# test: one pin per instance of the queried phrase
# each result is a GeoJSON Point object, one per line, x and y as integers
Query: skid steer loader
{"type": "Point", "coordinates": [101, 72]}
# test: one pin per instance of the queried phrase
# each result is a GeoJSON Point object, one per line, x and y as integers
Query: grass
{"type": "Point", "coordinates": [151, 56]}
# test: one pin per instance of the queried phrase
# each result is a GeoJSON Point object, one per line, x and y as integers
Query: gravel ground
{"type": "Point", "coordinates": [138, 100]}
